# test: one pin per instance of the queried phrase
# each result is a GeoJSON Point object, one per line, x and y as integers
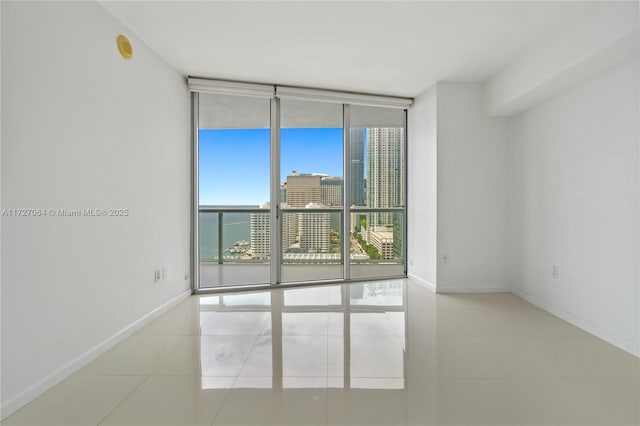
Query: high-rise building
{"type": "Point", "coordinates": [289, 227]}
{"type": "Point", "coordinates": [260, 233]}
{"type": "Point", "coordinates": [331, 190]}
{"type": "Point", "coordinates": [356, 167]}
{"type": "Point", "coordinates": [314, 229]}
{"type": "Point", "coordinates": [331, 195]}
{"type": "Point", "coordinates": [385, 171]}
{"type": "Point", "coordinates": [302, 189]}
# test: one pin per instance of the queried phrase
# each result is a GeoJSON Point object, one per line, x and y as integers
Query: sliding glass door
{"type": "Point", "coordinates": [297, 191]}
{"type": "Point", "coordinates": [311, 168]}
{"type": "Point", "coordinates": [378, 190]}
{"type": "Point", "coordinates": [233, 142]}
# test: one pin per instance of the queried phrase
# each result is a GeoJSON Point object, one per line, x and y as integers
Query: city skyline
{"type": "Point", "coordinates": [376, 164]}
{"type": "Point", "coordinates": [303, 150]}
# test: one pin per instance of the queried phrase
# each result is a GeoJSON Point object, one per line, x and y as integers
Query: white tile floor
{"type": "Point", "coordinates": [379, 353]}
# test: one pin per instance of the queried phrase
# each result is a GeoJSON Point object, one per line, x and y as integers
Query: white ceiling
{"type": "Point", "coordinates": [394, 48]}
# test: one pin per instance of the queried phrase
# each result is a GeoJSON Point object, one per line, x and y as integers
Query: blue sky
{"type": "Point", "coordinates": [234, 163]}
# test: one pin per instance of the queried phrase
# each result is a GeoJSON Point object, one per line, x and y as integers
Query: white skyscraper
{"type": "Point", "coordinates": [260, 234]}
{"type": "Point", "coordinates": [385, 171]}
{"type": "Point", "coordinates": [314, 230]}
{"type": "Point", "coordinates": [289, 227]}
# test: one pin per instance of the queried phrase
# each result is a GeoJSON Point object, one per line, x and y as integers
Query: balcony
{"type": "Point", "coordinates": [234, 245]}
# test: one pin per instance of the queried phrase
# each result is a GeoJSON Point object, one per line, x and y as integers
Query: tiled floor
{"type": "Point", "coordinates": [380, 353]}
{"type": "Point", "coordinates": [211, 275]}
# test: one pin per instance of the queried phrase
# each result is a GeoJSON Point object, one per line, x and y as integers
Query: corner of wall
{"type": "Point", "coordinates": [471, 192]}
{"type": "Point", "coordinates": [422, 183]}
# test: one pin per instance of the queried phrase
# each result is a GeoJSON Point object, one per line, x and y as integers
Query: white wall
{"type": "Point", "coordinates": [472, 192]}
{"type": "Point", "coordinates": [574, 204]}
{"type": "Point", "coordinates": [422, 171]}
{"type": "Point", "coordinates": [83, 128]}
{"type": "Point", "coordinates": [599, 36]}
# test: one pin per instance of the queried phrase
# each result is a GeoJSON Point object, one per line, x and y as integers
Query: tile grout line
{"type": "Point", "coordinates": [124, 399]}
{"type": "Point", "coordinates": [227, 394]}
{"type": "Point", "coordinates": [147, 376]}
{"type": "Point", "coordinates": [224, 401]}
{"type": "Point", "coordinates": [160, 364]}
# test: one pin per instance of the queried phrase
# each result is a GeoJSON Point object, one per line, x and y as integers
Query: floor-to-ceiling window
{"type": "Point", "coordinates": [311, 174]}
{"type": "Point", "coordinates": [234, 170]}
{"type": "Point", "coordinates": [297, 190]}
{"type": "Point", "coordinates": [378, 191]}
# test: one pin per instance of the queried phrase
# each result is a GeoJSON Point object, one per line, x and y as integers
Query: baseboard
{"type": "Point", "coordinates": [422, 281]}
{"type": "Point", "coordinates": [34, 391]}
{"type": "Point", "coordinates": [441, 290]}
{"type": "Point", "coordinates": [486, 289]}
{"type": "Point", "coordinates": [620, 342]}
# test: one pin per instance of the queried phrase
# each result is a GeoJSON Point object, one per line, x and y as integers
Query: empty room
{"type": "Point", "coordinates": [320, 213]}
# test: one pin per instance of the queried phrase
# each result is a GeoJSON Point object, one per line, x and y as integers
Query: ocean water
{"type": "Point", "coordinates": [236, 227]}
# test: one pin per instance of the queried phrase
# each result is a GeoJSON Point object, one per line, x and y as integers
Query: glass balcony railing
{"type": "Point", "coordinates": [377, 236]}
{"type": "Point", "coordinates": [312, 235]}
{"type": "Point", "coordinates": [242, 235]}
{"type": "Point", "coordinates": [235, 244]}
{"type": "Point", "coordinates": [233, 235]}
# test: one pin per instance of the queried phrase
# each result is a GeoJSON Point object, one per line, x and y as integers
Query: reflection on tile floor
{"type": "Point", "coordinates": [377, 353]}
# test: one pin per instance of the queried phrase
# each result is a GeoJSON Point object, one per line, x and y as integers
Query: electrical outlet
{"type": "Point", "coordinates": [186, 277]}
{"type": "Point", "coordinates": [157, 276]}
{"type": "Point", "coordinates": [555, 271]}
{"type": "Point", "coordinates": [444, 259]}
